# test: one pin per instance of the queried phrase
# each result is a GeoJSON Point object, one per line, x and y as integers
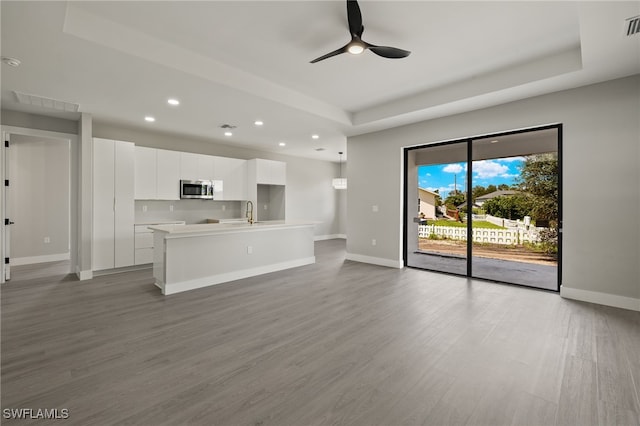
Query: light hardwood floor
{"type": "Point", "coordinates": [337, 342]}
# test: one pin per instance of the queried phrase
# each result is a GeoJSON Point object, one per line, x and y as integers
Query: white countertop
{"type": "Point", "coordinates": [177, 231]}
{"type": "Point", "coordinates": [160, 222]}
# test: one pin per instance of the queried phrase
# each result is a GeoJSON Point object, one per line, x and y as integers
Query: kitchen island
{"type": "Point", "coordinates": [186, 257]}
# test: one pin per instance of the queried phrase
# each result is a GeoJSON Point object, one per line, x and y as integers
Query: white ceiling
{"type": "Point", "coordinates": [237, 61]}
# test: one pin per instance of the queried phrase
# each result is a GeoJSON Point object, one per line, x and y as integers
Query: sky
{"type": "Point", "coordinates": [485, 173]}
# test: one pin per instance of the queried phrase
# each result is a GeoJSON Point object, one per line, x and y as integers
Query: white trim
{"type": "Point", "coordinates": [600, 298]}
{"type": "Point", "coordinates": [329, 237]}
{"type": "Point", "coordinates": [232, 276]}
{"type": "Point", "coordinates": [84, 275]}
{"type": "Point", "coordinates": [17, 261]}
{"type": "Point", "coordinates": [398, 264]}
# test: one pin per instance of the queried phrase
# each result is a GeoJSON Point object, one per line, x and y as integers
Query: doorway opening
{"type": "Point", "coordinates": [38, 204]}
{"type": "Point", "coordinates": [487, 207]}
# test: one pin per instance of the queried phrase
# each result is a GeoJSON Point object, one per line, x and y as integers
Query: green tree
{"type": "Point", "coordinates": [438, 198]}
{"type": "Point", "coordinates": [478, 191]}
{"type": "Point", "coordinates": [503, 187]}
{"type": "Point", "coordinates": [509, 207]}
{"type": "Point", "coordinates": [454, 199]}
{"type": "Point", "coordinates": [539, 178]}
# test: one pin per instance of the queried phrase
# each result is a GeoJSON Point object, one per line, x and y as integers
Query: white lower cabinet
{"type": "Point", "coordinates": [113, 204]}
{"type": "Point", "coordinates": [143, 245]}
{"type": "Point", "coordinates": [144, 241]}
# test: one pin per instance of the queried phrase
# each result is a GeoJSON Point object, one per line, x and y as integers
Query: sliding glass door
{"type": "Point", "coordinates": [439, 231]}
{"type": "Point", "coordinates": [514, 204]}
{"type": "Point", "coordinates": [487, 207]}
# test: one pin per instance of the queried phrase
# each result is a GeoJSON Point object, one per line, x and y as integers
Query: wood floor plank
{"type": "Point", "coordinates": [336, 342]}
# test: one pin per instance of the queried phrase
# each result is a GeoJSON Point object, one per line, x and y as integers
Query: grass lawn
{"type": "Point", "coordinates": [476, 224]}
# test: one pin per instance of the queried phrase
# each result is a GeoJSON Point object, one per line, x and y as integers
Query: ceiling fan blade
{"type": "Point", "coordinates": [355, 18]}
{"type": "Point", "coordinates": [388, 52]}
{"type": "Point", "coordinates": [343, 49]}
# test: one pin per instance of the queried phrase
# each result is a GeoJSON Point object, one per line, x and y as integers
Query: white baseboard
{"type": "Point", "coordinates": [84, 275]}
{"type": "Point", "coordinates": [329, 237]}
{"type": "Point", "coordinates": [232, 276]}
{"type": "Point", "coordinates": [17, 261]}
{"type": "Point", "coordinates": [600, 298]}
{"type": "Point", "coordinates": [375, 260]}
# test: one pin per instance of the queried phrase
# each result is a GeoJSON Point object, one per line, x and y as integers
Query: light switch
{"type": "Point", "coordinates": [144, 208]}
{"type": "Point", "coordinates": [374, 208]}
{"type": "Point", "coordinates": [249, 250]}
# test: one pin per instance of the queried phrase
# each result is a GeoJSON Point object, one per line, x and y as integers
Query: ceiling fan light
{"type": "Point", "coordinates": [355, 48]}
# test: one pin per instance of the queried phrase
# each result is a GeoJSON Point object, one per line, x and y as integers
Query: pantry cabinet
{"type": "Point", "coordinates": [113, 204]}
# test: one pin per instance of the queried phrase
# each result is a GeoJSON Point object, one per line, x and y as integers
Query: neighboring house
{"type": "Point", "coordinates": [427, 207]}
{"type": "Point", "coordinates": [486, 197]}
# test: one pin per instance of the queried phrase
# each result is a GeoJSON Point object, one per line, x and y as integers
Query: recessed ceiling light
{"type": "Point", "coordinates": [13, 62]}
{"type": "Point", "coordinates": [228, 134]}
{"type": "Point", "coordinates": [315, 137]}
{"type": "Point", "coordinates": [173, 102]}
{"type": "Point", "coordinates": [282, 144]}
{"type": "Point", "coordinates": [149, 119]}
{"type": "Point", "coordinates": [258, 122]}
{"type": "Point", "coordinates": [494, 141]}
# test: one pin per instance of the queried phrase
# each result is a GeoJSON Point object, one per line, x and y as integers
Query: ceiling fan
{"type": "Point", "coordinates": [357, 45]}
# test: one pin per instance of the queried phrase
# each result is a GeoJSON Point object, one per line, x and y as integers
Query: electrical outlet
{"type": "Point", "coordinates": [47, 240]}
{"type": "Point", "coordinates": [224, 207]}
{"type": "Point", "coordinates": [266, 207]}
{"type": "Point", "coordinates": [144, 208]}
{"type": "Point", "coordinates": [374, 208]}
{"type": "Point", "coordinates": [170, 207]}
{"type": "Point", "coordinates": [249, 250]}
{"type": "Point", "coordinates": [374, 242]}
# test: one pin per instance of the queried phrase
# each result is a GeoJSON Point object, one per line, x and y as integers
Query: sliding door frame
{"type": "Point", "coordinates": [469, 183]}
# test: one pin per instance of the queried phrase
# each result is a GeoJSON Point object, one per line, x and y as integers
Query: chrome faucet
{"type": "Point", "coordinates": [250, 212]}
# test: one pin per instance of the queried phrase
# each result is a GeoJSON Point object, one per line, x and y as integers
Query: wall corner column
{"type": "Point", "coordinates": [85, 197]}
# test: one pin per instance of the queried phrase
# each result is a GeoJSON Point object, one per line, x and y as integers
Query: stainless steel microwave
{"type": "Point", "coordinates": [202, 189]}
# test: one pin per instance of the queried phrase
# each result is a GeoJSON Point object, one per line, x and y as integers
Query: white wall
{"type": "Point", "coordinates": [309, 194]}
{"type": "Point", "coordinates": [601, 155]}
{"type": "Point", "coordinates": [39, 195]}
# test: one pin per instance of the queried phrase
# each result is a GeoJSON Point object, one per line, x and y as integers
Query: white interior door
{"type": "Point", "coordinates": [6, 218]}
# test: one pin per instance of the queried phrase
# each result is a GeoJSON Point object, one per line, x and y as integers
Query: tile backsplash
{"type": "Point", "coordinates": [191, 211]}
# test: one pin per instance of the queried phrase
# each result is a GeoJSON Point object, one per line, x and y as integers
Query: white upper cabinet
{"type": "Point", "coordinates": [145, 173]}
{"type": "Point", "coordinates": [232, 172]}
{"type": "Point", "coordinates": [167, 174]}
{"type": "Point", "coordinates": [196, 166]}
{"type": "Point", "coordinates": [189, 166]}
{"type": "Point", "coordinates": [269, 172]}
{"type": "Point", "coordinates": [205, 167]}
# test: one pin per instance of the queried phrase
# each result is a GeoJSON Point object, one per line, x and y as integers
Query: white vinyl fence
{"type": "Point", "coordinates": [512, 236]}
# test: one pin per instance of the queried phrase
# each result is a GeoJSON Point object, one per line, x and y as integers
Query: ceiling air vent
{"type": "Point", "coordinates": [43, 102]}
{"type": "Point", "coordinates": [633, 25]}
